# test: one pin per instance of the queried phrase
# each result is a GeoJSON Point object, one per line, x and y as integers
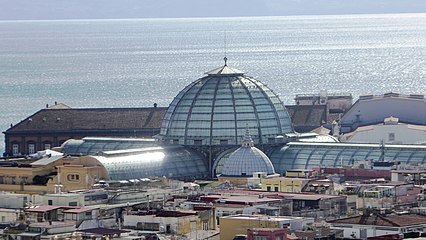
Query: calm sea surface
{"type": "Point", "coordinates": [139, 62]}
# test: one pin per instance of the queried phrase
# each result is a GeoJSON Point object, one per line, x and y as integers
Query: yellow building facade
{"type": "Point", "coordinates": [233, 225]}
{"type": "Point", "coordinates": [283, 184]}
{"type": "Point", "coordinates": [52, 175]}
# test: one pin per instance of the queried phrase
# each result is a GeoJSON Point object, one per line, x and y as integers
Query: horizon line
{"type": "Point", "coordinates": [212, 17]}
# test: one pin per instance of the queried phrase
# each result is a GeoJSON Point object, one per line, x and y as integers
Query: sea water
{"type": "Point", "coordinates": [139, 62]}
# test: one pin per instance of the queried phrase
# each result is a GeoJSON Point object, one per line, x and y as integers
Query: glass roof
{"type": "Point", "coordinates": [168, 161]}
{"type": "Point", "coordinates": [216, 110]}
{"type": "Point", "coordinates": [310, 155]}
{"type": "Point", "coordinates": [94, 146]}
{"type": "Point", "coordinates": [127, 158]}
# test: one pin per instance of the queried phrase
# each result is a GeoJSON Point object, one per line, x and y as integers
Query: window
{"type": "Point", "coordinates": [223, 142]}
{"type": "Point", "coordinates": [13, 180]}
{"type": "Point", "coordinates": [276, 189]}
{"type": "Point", "coordinates": [268, 188]}
{"type": "Point", "coordinates": [47, 146]}
{"type": "Point", "coordinates": [31, 148]}
{"type": "Point", "coordinates": [205, 226]}
{"type": "Point", "coordinates": [391, 137]}
{"type": "Point", "coordinates": [198, 142]}
{"type": "Point", "coordinates": [259, 238]}
{"type": "Point", "coordinates": [15, 149]}
{"type": "Point", "coordinates": [73, 177]}
{"type": "Point", "coordinates": [1, 179]}
{"type": "Point", "coordinates": [50, 202]}
{"type": "Point", "coordinates": [72, 204]}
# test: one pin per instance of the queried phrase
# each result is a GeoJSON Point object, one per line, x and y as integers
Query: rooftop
{"type": "Point", "coordinates": [62, 119]}
{"type": "Point", "coordinates": [370, 110]}
{"type": "Point", "coordinates": [103, 231]}
{"type": "Point", "coordinates": [79, 210]}
{"type": "Point", "coordinates": [264, 218]}
{"type": "Point", "coordinates": [378, 220]}
{"type": "Point", "coordinates": [240, 199]}
{"type": "Point", "coordinates": [46, 208]}
{"type": "Point", "coordinates": [298, 196]}
{"type": "Point", "coordinates": [307, 117]}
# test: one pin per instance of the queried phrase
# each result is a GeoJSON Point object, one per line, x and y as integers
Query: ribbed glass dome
{"type": "Point", "coordinates": [246, 160]}
{"type": "Point", "coordinates": [216, 110]}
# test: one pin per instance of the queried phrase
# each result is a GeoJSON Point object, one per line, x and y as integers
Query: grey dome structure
{"type": "Point", "coordinates": [246, 160]}
{"type": "Point", "coordinates": [214, 110]}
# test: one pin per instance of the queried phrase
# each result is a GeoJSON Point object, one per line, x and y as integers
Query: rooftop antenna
{"type": "Point", "coordinates": [225, 58]}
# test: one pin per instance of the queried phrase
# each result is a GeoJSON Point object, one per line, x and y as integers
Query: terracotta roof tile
{"type": "Point", "coordinates": [307, 115]}
{"type": "Point", "coordinates": [63, 119]}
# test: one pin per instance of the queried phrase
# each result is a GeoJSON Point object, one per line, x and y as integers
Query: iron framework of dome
{"type": "Point", "coordinates": [216, 110]}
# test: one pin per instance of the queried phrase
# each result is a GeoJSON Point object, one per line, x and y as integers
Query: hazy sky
{"type": "Point", "coordinates": [74, 9]}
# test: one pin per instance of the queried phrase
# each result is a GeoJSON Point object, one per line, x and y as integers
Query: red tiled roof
{"type": "Point", "coordinates": [46, 208]}
{"type": "Point", "coordinates": [92, 119]}
{"type": "Point", "coordinates": [79, 210]}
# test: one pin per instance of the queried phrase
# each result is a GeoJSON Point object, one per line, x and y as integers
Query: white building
{"type": "Point", "coordinates": [371, 110]}
{"type": "Point", "coordinates": [8, 215]}
{"type": "Point", "coordinates": [391, 131]}
{"type": "Point", "coordinates": [14, 200]}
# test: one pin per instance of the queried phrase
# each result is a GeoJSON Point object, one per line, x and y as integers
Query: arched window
{"type": "Point", "coordinates": [15, 149]}
{"type": "Point", "coordinates": [31, 147]}
{"type": "Point", "coordinates": [47, 145]}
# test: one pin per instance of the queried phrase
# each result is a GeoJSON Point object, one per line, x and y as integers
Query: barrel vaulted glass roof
{"type": "Point", "coordinates": [216, 110]}
{"type": "Point", "coordinates": [94, 146]}
{"type": "Point", "coordinates": [127, 158]}
{"type": "Point", "coordinates": [169, 161]}
{"type": "Point", "coordinates": [299, 155]}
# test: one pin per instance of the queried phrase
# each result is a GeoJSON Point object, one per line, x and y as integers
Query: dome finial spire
{"type": "Point", "coordinates": [225, 58]}
{"type": "Point", "coordinates": [247, 140]}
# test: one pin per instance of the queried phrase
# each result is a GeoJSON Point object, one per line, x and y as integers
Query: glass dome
{"type": "Point", "coordinates": [216, 110]}
{"type": "Point", "coordinates": [246, 160]}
